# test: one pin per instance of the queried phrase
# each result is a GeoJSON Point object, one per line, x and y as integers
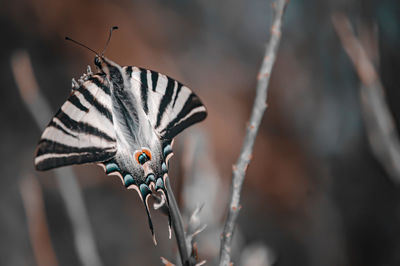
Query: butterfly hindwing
{"type": "Point", "coordinates": [124, 119]}
{"type": "Point", "coordinates": [170, 106]}
{"type": "Point", "coordinates": [82, 131]}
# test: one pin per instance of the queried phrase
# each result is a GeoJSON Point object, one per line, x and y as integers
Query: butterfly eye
{"type": "Point", "coordinates": [97, 61]}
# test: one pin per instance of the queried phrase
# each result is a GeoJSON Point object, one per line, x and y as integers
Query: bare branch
{"type": "Point", "coordinates": [177, 225]}
{"type": "Point", "coordinates": [379, 122]}
{"type": "Point", "coordinates": [259, 106]}
{"type": "Point", "coordinates": [68, 186]}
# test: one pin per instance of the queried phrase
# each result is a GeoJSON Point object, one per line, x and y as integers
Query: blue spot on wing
{"type": "Point", "coordinates": [167, 150]}
{"type": "Point", "coordinates": [164, 168]}
{"type": "Point", "coordinates": [150, 178]}
{"type": "Point", "coordinates": [159, 184]}
{"type": "Point", "coordinates": [128, 180]}
{"type": "Point", "coordinates": [145, 190]}
{"type": "Point", "coordinates": [111, 167]}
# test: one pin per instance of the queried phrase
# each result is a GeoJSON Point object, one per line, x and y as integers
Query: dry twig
{"type": "Point", "coordinates": [177, 225]}
{"type": "Point", "coordinates": [379, 122]}
{"type": "Point", "coordinates": [259, 106]}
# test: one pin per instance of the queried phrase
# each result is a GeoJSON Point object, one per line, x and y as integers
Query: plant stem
{"type": "Point", "coordinates": [379, 121]}
{"type": "Point", "coordinates": [259, 106]}
{"type": "Point", "coordinates": [177, 225]}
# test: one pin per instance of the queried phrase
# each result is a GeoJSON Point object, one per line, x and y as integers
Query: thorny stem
{"type": "Point", "coordinates": [177, 225]}
{"type": "Point", "coordinates": [259, 106]}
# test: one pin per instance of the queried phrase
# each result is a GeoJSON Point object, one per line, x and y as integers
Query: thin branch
{"type": "Point", "coordinates": [177, 225]}
{"type": "Point", "coordinates": [379, 122]}
{"type": "Point", "coordinates": [259, 106]}
{"type": "Point", "coordinates": [68, 186]}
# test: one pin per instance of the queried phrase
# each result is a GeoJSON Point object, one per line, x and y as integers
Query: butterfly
{"type": "Point", "coordinates": [125, 119]}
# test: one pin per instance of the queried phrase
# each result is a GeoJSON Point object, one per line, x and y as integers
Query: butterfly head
{"type": "Point", "coordinates": [101, 63]}
{"type": "Point", "coordinates": [97, 61]}
{"type": "Point", "coordinates": [105, 65]}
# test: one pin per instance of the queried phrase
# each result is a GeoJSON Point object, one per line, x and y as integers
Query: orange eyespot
{"type": "Point", "coordinates": [142, 156]}
{"type": "Point", "coordinates": [137, 153]}
{"type": "Point", "coordinates": [147, 152]}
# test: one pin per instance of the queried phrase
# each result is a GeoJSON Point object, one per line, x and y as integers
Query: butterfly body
{"type": "Point", "coordinates": [125, 119]}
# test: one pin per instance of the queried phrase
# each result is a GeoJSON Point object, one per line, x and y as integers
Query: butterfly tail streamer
{"type": "Point", "coordinates": [150, 221]}
{"type": "Point", "coordinates": [146, 193]}
{"type": "Point", "coordinates": [169, 225]}
{"type": "Point", "coordinates": [169, 213]}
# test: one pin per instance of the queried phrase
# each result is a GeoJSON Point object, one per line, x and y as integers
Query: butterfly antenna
{"type": "Point", "coordinates": [109, 38]}
{"type": "Point", "coordinates": [78, 43]}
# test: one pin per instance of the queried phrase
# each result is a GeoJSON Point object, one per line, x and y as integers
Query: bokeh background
{"type": "Point", "coordinates": [314, 193]}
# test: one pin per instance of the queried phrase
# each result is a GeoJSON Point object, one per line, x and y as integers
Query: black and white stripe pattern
{"type": "Point", "coordinates": [170, 106]}
{"type": "Point", "coordinates": [82, 131]}
{"type": "Point", "coordinates": [112, 116]}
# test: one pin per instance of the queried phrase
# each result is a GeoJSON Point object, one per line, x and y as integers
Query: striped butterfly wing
{"type": "Point", "coordinates": [170, 106]}
{"type": "Point", "coordinates": [82, 130]}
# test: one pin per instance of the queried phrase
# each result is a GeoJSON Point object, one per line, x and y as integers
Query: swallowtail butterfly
{"type": "Point", "coordinates": [124, 119]}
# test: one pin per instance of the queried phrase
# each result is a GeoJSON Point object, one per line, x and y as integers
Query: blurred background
{"type": "Point", "coordinates": [314, 194]}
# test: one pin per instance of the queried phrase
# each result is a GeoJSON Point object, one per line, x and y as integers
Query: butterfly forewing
{"type": "Point", "coordinates": [82, 131]}
{"type": "Point", "coordinates": [170, 106]}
